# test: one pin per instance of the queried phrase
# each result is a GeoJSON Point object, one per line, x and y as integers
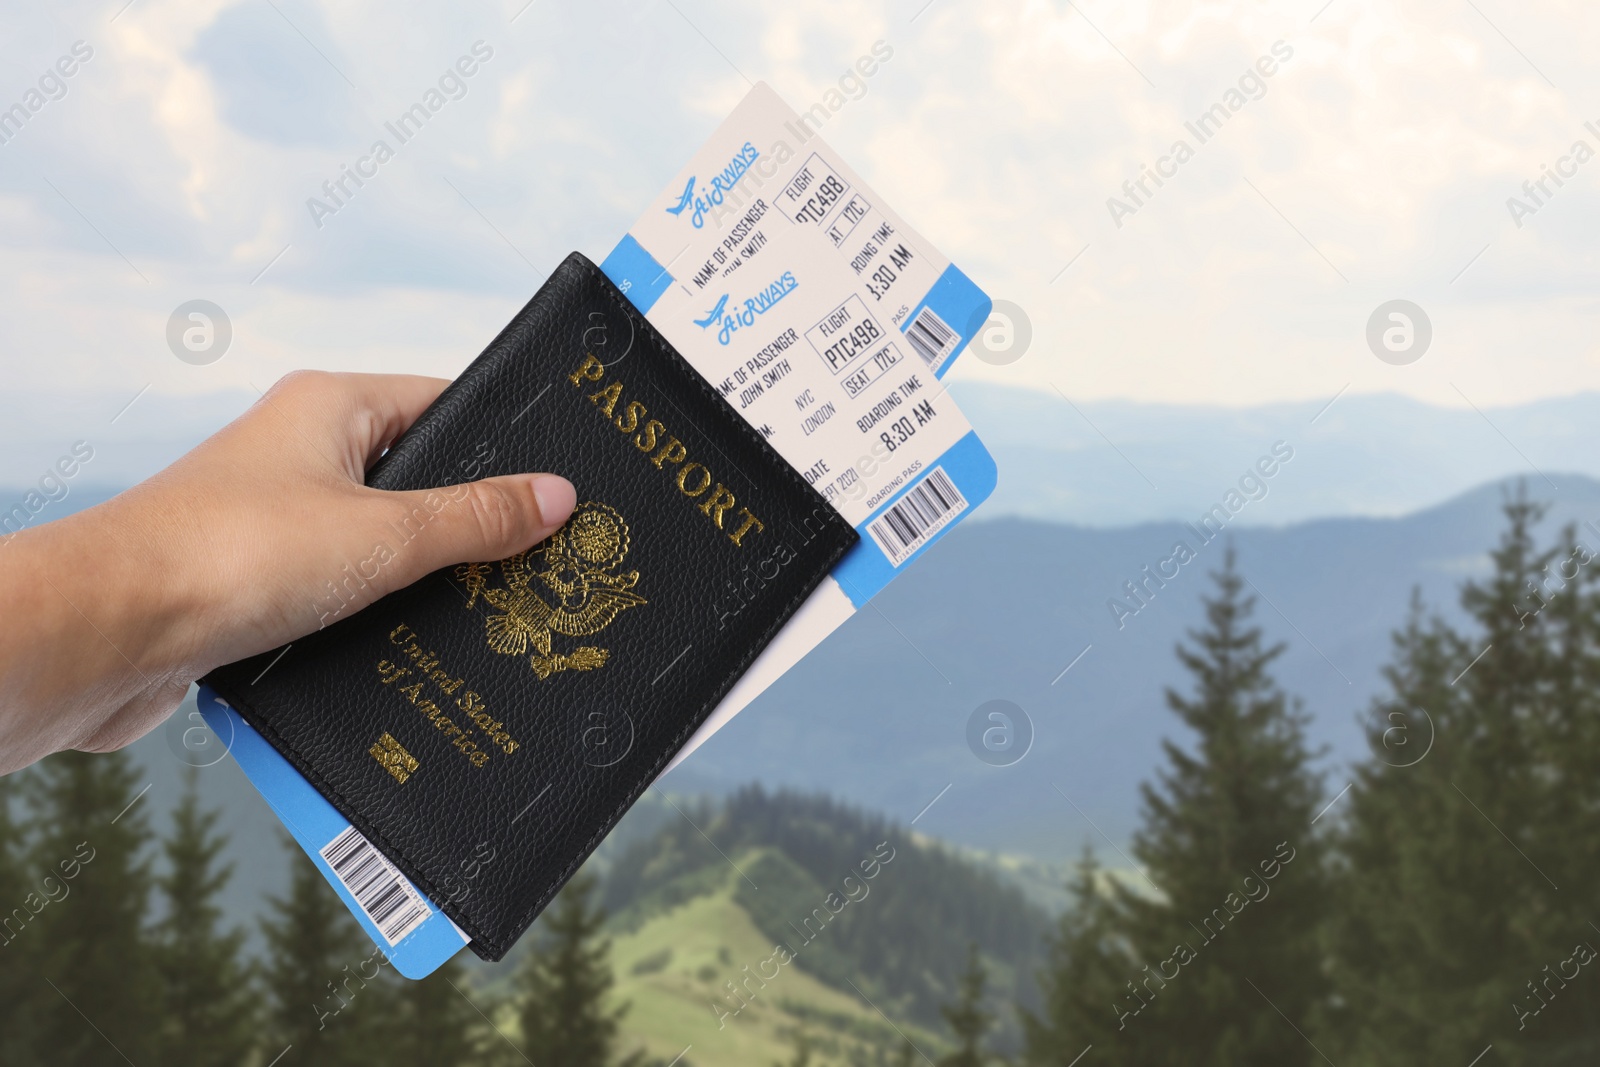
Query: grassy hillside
{"type": "Point", "coordinates": [737, 926]}
{"type": "Point", "coordinates": [674, 968]}
{"type": "Point", "coordinates": [859, 898]}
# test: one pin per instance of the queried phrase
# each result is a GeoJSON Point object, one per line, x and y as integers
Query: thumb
{"type": "Point", "coordinates": [475, 521]}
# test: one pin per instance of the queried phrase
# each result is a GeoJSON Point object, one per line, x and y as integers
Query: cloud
{"type": "Point", "coordinates": [270, 85]}
{"type": "Point", "coordinates": [1376, 165]}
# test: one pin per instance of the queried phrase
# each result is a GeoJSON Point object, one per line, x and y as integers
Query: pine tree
{"type": "Point", "coordinates": [968, 1019]}
{"type": "Point", "coordinates": [96, 995]}
{"type": "Point", "coordinates": [1221, 945]}
{"type": "Point", "coordinates": [434, 1026]}
{"type": "Point", "coordinates": [565, 983]}
{"type": "Point", "coordinates": [208, 1010]}
{"type": "Point", "coordinates": [16, 964]}
{"type": "Point", "coordinates": [327, 995]}
{"type": "Point", "coordinates": [1451, 933]}
{"type": "Point", "coordinates": [1087, 966]}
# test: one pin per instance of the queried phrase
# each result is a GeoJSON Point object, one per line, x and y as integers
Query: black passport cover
{"type": "Point", "coordinates": [518, 708]}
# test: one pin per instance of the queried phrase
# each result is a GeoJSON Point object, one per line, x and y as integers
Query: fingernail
{"type": "Point", "coordinates": [556, 498]}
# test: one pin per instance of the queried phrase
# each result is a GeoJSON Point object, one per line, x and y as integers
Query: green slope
{"type": "Point", "coordinates": [915, 906]}
{"type": "Point", "coordinates": [674, 968]}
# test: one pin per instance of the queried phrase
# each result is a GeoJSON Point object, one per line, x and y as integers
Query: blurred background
{"type": "Point", "coordinates": [1326, 795]}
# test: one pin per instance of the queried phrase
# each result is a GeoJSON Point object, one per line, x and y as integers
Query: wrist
{"type": "Point", "coordinates": [76, 649]}
{"type": "Point", "coordinates": [129, 586]}
{"type": "Point", "coordinates": [161, 590]}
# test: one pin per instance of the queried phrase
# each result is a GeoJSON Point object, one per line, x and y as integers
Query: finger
{"type": "Point", "coordinates": [484, 520]}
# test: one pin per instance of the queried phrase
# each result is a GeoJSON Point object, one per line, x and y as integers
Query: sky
{"type": "Point", "coordinates": [1375, 163]}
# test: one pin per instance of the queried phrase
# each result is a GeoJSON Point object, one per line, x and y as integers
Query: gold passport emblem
{"type": "Point", "coordinates": [576, 592]}
{"type": "Point", "coordinates": [394, 758]}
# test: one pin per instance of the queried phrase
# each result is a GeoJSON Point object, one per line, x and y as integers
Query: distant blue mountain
{"type": "Point", "coordinates": [1101, 463]}
{"type": "Point", "coordinates": [1116, 463]}
{"type": "Point", "coordinates": [877, 715]}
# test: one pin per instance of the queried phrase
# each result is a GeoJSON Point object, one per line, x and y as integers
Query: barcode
{"type": "Point", "coordinates": [925, 510]}
{"type": "Point", "coordinates": [932, 339]}
{"type": "Point", "coordinates": [394, 907]}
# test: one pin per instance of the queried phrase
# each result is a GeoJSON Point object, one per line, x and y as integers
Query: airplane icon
{"type": "Point", "coordinates": [684, 200]}
{"type": "Point", "coordinates": [714, 314]}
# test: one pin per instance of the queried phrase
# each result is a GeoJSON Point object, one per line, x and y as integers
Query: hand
{"type": "Point", "coordinates": [263, 533]}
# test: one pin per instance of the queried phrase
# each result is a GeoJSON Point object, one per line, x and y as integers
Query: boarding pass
{"type": "Point", "coordinates": [827, 322]}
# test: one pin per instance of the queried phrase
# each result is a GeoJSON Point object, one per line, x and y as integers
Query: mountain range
{"type": "Point", "coordinates": [1118, 463]}
{"type": "Point", "coordinates": [1099, 463]}
{"type": "Point", "coordinates": [1021, 610]}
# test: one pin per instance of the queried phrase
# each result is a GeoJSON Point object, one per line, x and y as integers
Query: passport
{"type": "Point", "coordinates": [486, 727]}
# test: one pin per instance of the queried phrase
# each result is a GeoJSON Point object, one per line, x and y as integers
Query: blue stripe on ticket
{"type": "Point", "coordinates": [960, 305]}
{"type": "Point", "coordinates": [906, 525]}
{"type": "Point", "coordinates": [636, 272]}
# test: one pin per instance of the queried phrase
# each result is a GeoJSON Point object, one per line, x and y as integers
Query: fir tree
{"type": "Point", "coordinates": [1451, 933]}
{"type": "Point", "coordinates": [96, 996]}
{"type": "Point", "coordinates": [207, 1016]}
{"type": "Point", "coordinates": [326, 994]}
{"type": "Point", "coordinates": [435, 1026]}
{"type": "Point", "coordinates": [968, 1019]}
{"type": "Point", "coordinates": [16, 965]}
{"type": "Point", "coordinates": [565, 982]}
{"type": "Point", "coordinates": [1087, 966]}
{"type": "Point", "coordinates": [1221, 946]}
